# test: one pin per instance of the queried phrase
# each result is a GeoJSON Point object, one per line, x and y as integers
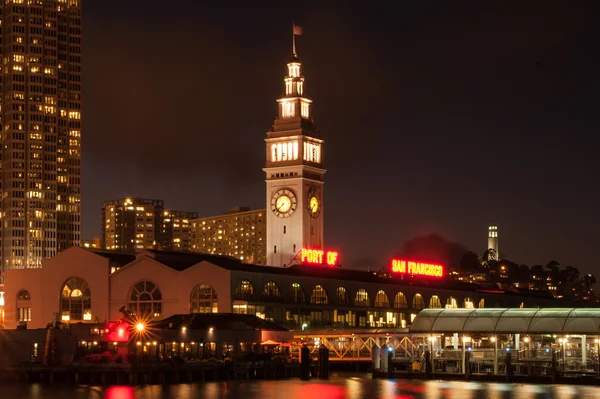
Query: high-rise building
{"type": "Point", "coordinates": [294, 174]}
{"type": "Point", "coordinates": [129, 224]}
{"type": "Point", "coordinates": [41, 129]}
{"type": "Point", "coordinates": [493, 241]}
{"type": "Point", "coordinates": [133, 224]}
{"type": "Point", "coordinates": [176, 231]}
{"type": "Point", "coordinates": [240, 233]}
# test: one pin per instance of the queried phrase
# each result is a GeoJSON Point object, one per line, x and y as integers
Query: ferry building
{"type": "Point", "coordinates": [302, 288]}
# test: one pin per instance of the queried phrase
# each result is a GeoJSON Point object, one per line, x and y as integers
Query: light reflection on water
{"type": "Point", "coordinates": [351, 386]}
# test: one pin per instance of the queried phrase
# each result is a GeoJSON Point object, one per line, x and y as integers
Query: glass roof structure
{"type": "Point", "coordinates": [508, 320]}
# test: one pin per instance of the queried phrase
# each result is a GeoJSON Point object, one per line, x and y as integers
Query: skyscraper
{"type": "Point", "coordinates": [133, 224]}
{"type": "Point", "coordinates": [41, 135]}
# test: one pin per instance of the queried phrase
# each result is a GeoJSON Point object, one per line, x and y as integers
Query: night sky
{"type": "Point", "coordinates": [438, 117]}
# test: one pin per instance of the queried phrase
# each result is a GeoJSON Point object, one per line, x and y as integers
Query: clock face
{"type": "Point", "coordinates": [283, 203]}
{"type": "Point", "coordinates": [314, 206]}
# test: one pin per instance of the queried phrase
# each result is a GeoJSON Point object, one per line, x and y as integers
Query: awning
{"type": "Point", "coordinates": [270, 343]}
{"type": "Point", "coordinates": [509, 321]}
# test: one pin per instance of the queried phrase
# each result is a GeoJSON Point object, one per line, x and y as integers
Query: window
{"type": "Point", "coordinates": [468, 303]}
{"type": "Point", "coordinates": [341, 297]}
{"type": "Point", "coordinates": [451, 303]}
{"type": "Point", "coordinates": [435, 302]}
{"type": "Point", "coordinates": [76, 300]}
{"type": "Point", "coordinates": [145, 299]}
{"type": "Point", "coordinates": [297, 293]}
{"type": "Point", "coordinates": [418, 303]}
{"type": "Point", "coordinates": [362, 298]}
{"type": "Point", "coordinates": [381, 300]}
{"type": "Point", "coordinates": [244, 290]}
{"type": "Point", "coordinates": [319, 296]}
{"type": "Point", "coordinates": [204, 299]}
{"type": "Point", "coordinates": [400, 301]}
{"type": "Point", "coordinates": [481, 303]}
{"type": "Point", "coordinates": [271, 291]}
{"type": "Point", "coordinates": [23, 306]}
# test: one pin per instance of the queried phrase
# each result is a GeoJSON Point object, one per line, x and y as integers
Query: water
{"type": "Point", "coordinates": [352, 386]}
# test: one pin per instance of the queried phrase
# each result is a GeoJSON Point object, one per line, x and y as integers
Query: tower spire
{"type": "Point", "coordinates": [294, 39]}
{"type": "Point", "coordinates": [296, 31]}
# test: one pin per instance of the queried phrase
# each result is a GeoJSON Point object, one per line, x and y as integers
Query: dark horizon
{"type": "Point", "coordinates": [438, 119]}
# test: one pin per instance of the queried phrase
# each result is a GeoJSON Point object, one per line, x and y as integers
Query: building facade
{"type": "Point", "coordinates": [88, 286]}
{"type": "Point", "coordinates": [294, 175]}
{"type": "Point", "coordinates": [133, 224]}
{"type": "Point", "coordinates": [41, 135]}
{"type": "Point", "coordinates": [240, 233]}
{"type": "Point", "coordinates": [176, 231]}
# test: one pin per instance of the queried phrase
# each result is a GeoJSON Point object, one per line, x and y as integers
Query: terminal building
{"type": "Point", "coordinates": [91, 286]}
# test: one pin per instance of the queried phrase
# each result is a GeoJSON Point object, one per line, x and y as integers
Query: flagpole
{"type": "Point", "coordinates": [293, 39]}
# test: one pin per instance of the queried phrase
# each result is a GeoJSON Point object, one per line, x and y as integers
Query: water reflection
{"type": "Point", "coordinates": [339, 386]}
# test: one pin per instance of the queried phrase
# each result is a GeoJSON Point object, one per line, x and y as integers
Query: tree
{"type": "Point", "coordinates": [470, 262]}
{"type": "Point", "coordinates": [489, 255]}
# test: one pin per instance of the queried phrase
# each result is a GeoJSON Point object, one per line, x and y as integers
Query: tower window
{"type": "Point", "coordinates": [294, 248]}
{"type": "Point", "coordinates": [284, 229]}
{"type": "Point", "coordinates": [274, 249]}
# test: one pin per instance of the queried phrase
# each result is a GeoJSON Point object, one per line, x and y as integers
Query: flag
{"type": "Point", "coordinates": [297, 30]}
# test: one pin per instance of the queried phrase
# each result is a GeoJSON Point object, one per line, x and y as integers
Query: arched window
{"type": "Point", "coordinates": [23, 306]}
{"type": "Point", "coordinates": [468, 303]}
{"type": "Point", "coordinates": [418, 302]}
{"type": "Point", "coordinates": [319, 296]}
{"type": "Point", "coordinates": [271, 292]}
{"type": "Point", "coordinates": [341, 297]}
{"type": "Point", "coordinates": [400, 301]}
{"type": "Point", "coordinates": [451, 303]}
{"type": "Point", "coordinates": [145, 299]}
{"type": "Point", "coordinates": [522, 305]}
{"type": "Point", "coordinates": [204, 299]}
{"type": "Point", "coordinates": [244, 290]}
{"type": "Point", "coordinates": [482, 303]}
{"type": "Point", "coordinates": [435, 303]}
{"type": "Point", "coordinates": [297, 293]}
{"type": "Point", "coordinates": [381, 300]}
{"type": "Point", "coordinates": [76, 300]}
{"type": "Point", "coordinates": [23, 295]}
{"type": "Point", "coordinates": [362, 298]}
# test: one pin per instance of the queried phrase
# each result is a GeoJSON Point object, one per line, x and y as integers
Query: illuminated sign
{"type": "Point", "coordinates": [319, 257]}
{"type": "Point", "coordinates": [402, 266]}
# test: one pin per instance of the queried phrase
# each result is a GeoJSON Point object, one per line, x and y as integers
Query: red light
{"type": "Point", "coordinates": [319, 257]}
{"type": "Point", "coordinates": [120, 331]}
{"type": "Point", "coordinates": [402, 266]}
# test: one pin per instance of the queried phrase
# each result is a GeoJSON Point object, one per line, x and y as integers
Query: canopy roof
{"type": "Point", "coordinates": [508, 320]}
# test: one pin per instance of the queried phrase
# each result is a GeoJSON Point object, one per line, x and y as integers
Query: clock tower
{"type": "Point", "coordinates": [294, 175]}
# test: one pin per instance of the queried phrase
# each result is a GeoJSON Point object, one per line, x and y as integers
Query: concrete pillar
{"type": "Point", "coordinates": [495, 356]}
{"type": "Point", "coordinates": [305, 363]}
{"type": "Point", "coordinates": [455, 341]}
{"type": "Point", "coordinates": [517, 342]}
{"type": "Point", "coordinates": [467, 364]}
{"type": "Point", "coordinates": [384, 357]}
{"type": "Point", "coordinates": [509, 371]}
{"type": "Point", "coordinates": [464, 344]}
{"type": "Point", "coordinates": [583, 350]}
{"type": "Point", "coordinates": [323, 362]}
{"type": "Point", "coordinates": [376, 357]}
